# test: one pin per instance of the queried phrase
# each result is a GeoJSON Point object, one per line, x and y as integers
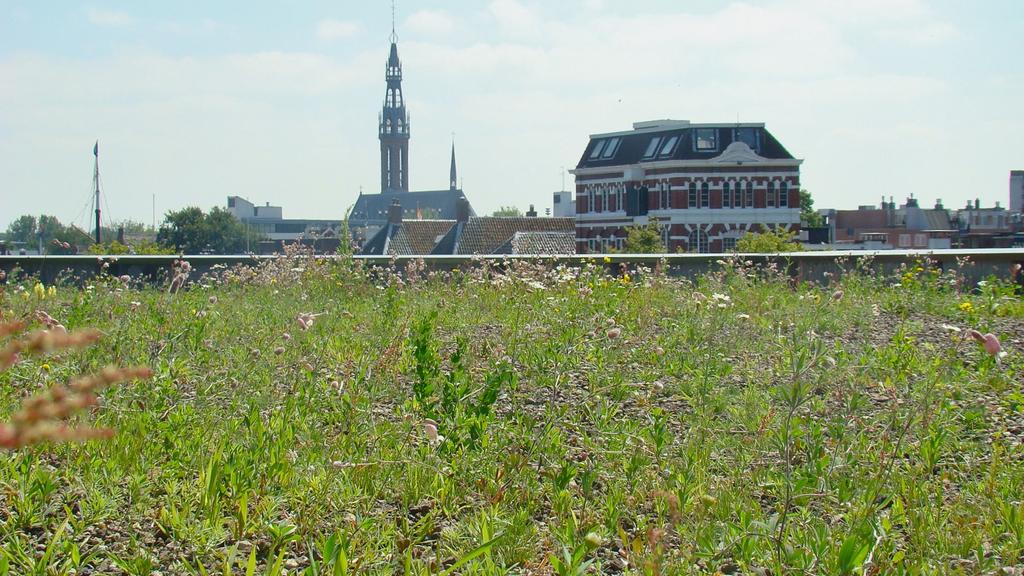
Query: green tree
{"type": "Point", "coordinates": [507, 211]}
{"type": "Point", "coordinates": [770, 242]}
{"type": "Point", "coordinates": [190, 231]}
{"type": "Point", "coordinates": [808, 217]}
{"type": "Point", "coordinates": [23, 229]}
{"type": "Point", "coordinates": [48, 227]}
{"type": "Point", "coordinates": [643, 239]}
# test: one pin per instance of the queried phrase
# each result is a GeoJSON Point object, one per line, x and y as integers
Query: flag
{"type": "Point", "coordinates": [96, 149]}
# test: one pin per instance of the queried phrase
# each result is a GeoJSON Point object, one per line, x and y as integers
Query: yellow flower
{"type": "Point", "coordinates": [625, 278]}
{"type": "Point", "coordinates": [607, 260]}
{"type": "Point", "coordinates": [45, 367]}
{"type": "Point", "coordinates": [966, 307]}
{"type": "Point", "coordinates": [51, 291]}
{"type": "Point", "coordinates": [40, 291]}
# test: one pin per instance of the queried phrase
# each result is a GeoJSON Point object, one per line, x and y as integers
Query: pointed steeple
{"type": "Point", "coordinates": [394, 129]}
{"type": "Point", "coordinates": [452, 180]}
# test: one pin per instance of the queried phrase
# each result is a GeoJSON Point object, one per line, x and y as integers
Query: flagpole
{"type": "Point", "coordinates": [96, 184]}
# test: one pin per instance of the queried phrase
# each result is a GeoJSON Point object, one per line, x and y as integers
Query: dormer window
{"type": "Point", "coordinates": [611, 148]}
{"type": "Point", "coordinates": [746, 135]}
{"type": "Point", "coordinates": [668, 147]}
{"type": "Point", "coordinates": [598, 148]}
{"type": "Point", "coordinates": [652, 147]}
{"type": "Point", "coordinates": [705, 139]}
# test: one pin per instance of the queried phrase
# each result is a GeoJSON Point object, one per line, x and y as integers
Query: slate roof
{"type": "Point", "coordinates": [487, 234]}
{"type": "Point", "coordinates": [632, 145]}
{"type": "Point", "coordinates": [372, 209]}
{"type": "Point", "coordinates": [408, 238]}
{"type": "Point", "coordinates": [543, 243]}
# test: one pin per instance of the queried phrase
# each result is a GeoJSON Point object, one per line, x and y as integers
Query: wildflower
{"type": "Point", "coordinates": [124, 278]}
{"type": "Point", "coordinates": [286, 336]}
{"type": "Point", "coordinates": [607, 260]}
{"type": "Point", "coordinates": [966, 307]}
{"type": "Point", "coordinates": [51, 291]}
{"type": "Point", "coordinates": [305, 320]}
{"type": "Point", "coordinates": [991, 344]}
{"type": "Point", "coordinates": [39, 290]}
{"type": "Point", "coordinates": [614, 333]}
{"type": "Point", "coordinates": [134, 305]}
{"type": "Point", "coordinates": [950, 328]}
{"type": "Point", "coordinates": [743, 316]}
{"type": "Point", "coordinates": [837, 295]}
{"type": "Point", "coordinates": [430, 429]}
{"type": "Point", "coordinates": [45, 367]}
{"type": "Point", "coordinates": [279, 350]}
{"type": "Point", "coordinates": [213, 299]}
{"type": "Point", "coordinates": [659, 350]}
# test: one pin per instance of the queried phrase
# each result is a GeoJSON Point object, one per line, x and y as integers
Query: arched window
{"type": "Point", "coordinates": [737, 199]}
{"type": "Point", "coordinates": [770, 195]}
{"type": "Point", "coordinates": [698, 242]}
{"type": "Point", "coordinates": [692, 196]}
{"type": "Point", "coordinates": [784, 195]}
{"type": "Point", "coordinates": [726, 196]}
{"type": "Point", "coordinates": [705, 195]}
{"type": "Point", "coordinates": [749, 202]}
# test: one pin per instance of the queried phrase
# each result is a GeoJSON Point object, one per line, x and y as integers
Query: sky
{"type": "Point", "coordinates": [195, 101]}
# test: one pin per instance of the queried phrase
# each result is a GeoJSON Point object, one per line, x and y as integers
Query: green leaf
{"type": "Point", "coordinates": [250, 569]}
{"type": "Point", "coordinates": [852, 554]}
{"type": "Point", "coordinates": [480, 550]}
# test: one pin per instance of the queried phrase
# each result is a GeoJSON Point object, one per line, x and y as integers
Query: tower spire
{"type": "Point", "coordinates": [452, 180]}
{"type": "Point", "coordinates": [393, 130]}
{"type": "Point", "coordinates": [394, 36]}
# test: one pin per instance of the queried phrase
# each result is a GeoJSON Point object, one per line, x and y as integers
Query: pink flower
{"type": "Point", "coordinates": [213, 299]}
{"type": "Point", "coordinates": [430, 429]}
{"type": "Point", "coordinates": [976, 335]}
{"type": "Point", "coordinates": [614, 333]}
{"type": "Point", "coordinates": [305, 320]}
{"type": "Point", "coordinates": [837, 295]}
{"type": "Point", "coordinates": [991, 344]}
{"type": "Point", "coordinates": [286, 336]}
{"type": "Point", "coordinates": [279, 350]}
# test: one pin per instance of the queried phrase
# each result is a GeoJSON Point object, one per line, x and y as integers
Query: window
{"type": "Point", "coordinates": [749, 202]}
{"type": "Point", "coordinates": [904, 240]}
{"type": "Point", "coordinates": [921, 240]}
{"type": "Point", "coordinates": [693, 196]}
{"type": "Point", "coordinates": [784, 195]}
{"type": "Point", "coordinates": [770, 195]}
{"type": "Point", "coordinates": [598, 148]}
{"type": "Point", "coordinates": [668, 147]}
{"type": "Point", "coordinates": [737, 196]}
{"type": "Point", "coordinates": [705, 195]}
{"type": "Point", "coordinates": [611, 148]}
{"type": "Point", "coordinates": [729, 244]}
{"type": "Point", "coordinates": [590, 199]}
{"type": "Point", "coordinates": [726, 196]}
{"type": "Point", "coordinates": [664, 197]}
{"type": "Point", "coordinates": [652, 147]}
{"type": "Point", "coordinates": [746, 135]}
{"type": "Point", "coordinates": [699, 242]}
{"type": "Point", "coordinates": [705, 140]}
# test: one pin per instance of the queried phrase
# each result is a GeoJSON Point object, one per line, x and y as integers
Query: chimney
{"type": "Point", "coordinates": [395, 212]}
{"type": "Point", "coordinates": [938, 204]}
{"type": "Point", "coordinates": [977, 204]}
{"type": "Point", "coordinates": [531, 213]}
{"type": "Point", "coordinates": [462, 209]}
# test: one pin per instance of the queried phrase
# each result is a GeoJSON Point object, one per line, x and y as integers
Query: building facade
{"type": "Point", "coordinates": [1017, 191]}
{"type": "Point", "coordinates": [269, 221]}
{"type": "Point", "coordinates": [705, 184]}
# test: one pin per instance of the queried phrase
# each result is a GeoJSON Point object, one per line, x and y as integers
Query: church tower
{"type": "Point", "coordinates": [394, 130]}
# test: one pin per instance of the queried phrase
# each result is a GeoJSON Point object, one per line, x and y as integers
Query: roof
{"type": "Point", "coordinates": [487, 234]}
{"type": "Point", "coordinates": [539, 243]}
{"type": "Point", "coordinates": [631, 146]}
{"type": "Point", "coordinates": [407, 238]}
{"type": "Point", "coordinates": [372, 209]}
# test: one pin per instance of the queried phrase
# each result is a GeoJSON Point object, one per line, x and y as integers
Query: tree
{"type": "Point", "coordinates": [190, 231]}
{"type": "Point", "coordinates": [770, 242]}
{"type": "Point", "coordinates": [643, 239]}
{"type": "Point", "coordinates": [507, 211]}
{"type": "Point", "coordinates": [808, 217]}
{"type": "Point", "coordinates": [23, 229]}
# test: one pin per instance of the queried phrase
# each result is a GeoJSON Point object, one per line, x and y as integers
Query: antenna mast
{"type": "Point", "coordinates": [393, 35]}
{"type": "Point", "coordinates": [96, 186]}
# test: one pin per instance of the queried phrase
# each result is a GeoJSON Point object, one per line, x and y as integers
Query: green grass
{"type": "Point", "coordinates": [585, 424]}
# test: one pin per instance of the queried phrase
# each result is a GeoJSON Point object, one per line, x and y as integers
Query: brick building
{"type": "Point", "coordinates": [707, 184]}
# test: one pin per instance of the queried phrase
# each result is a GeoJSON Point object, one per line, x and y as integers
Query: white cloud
{"type": "Point", "coordinates": [514, 18]}
{"type": "Point", "coordinates": [109, 18]}
{"type": "Point", "coordinates": [430, 23]}
{"type": "Point", "coordinates": [328, 30]}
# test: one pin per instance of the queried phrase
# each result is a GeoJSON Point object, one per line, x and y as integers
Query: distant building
{"type": "Point", "coordinates": [371, 211]}
{"type": "Point", "coordinates": [269, 221]}
{"type": "Point", "coordinates": [563, 204]}
{"type": "Point", "coordinates": [1017, 191]}
{"type": "Point", "coordinates": [468, 234]}
{"type": "Point", "coordinates": [886, 227]}
{"type": "Point", "coordinates": [706, 184]}
{"type": "Point", "coordinates": [980, 227]}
